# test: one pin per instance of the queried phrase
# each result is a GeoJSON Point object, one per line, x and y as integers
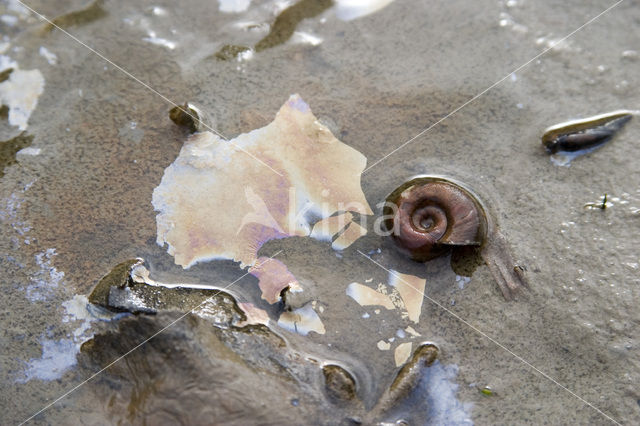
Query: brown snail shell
{"type": "Point", "coordinates": [429, 216]}
{"type": "Point", "coordinates": [432, 216]}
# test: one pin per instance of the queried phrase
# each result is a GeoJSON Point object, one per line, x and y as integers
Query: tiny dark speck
{"type": "Point", "coordinates": [295, 402]}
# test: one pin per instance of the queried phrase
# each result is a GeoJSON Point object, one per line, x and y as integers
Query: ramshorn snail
{"type": "Point", "coordinates": [434, 215]}
{"type": "Point", "coordinates": [431, 216]}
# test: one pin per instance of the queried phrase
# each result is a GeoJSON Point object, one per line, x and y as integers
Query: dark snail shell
{"type": "Point", "coordinates": [432, 216]}
{"type": "Point", "coordinates": [577, 135]}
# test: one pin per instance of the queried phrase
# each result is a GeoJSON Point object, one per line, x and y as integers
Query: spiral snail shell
{"type": "Point", "coordinates": [432, 216]}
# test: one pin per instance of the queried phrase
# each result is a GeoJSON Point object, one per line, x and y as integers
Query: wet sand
{"type": "Point", "coordinates": [83, 204]}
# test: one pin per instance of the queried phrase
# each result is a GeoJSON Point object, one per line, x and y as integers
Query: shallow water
{"type": "Point", "coordinates": [82, 204]}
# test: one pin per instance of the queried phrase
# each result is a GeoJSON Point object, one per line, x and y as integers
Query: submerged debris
{"type": "Point", "coordinates": [127, 288]}
{"type": "Point", "coordinates": [282, 29]}
{"type": "Point", "coordinates": [4, 74]}
{"type": "Point", "coordinates": [409, 376]}
{"type": "Point", "coordinates": [325, 229]}
{"type": "Point", "coordinates": [411, 289]}
{"type": "Point", "coordinates": [577, 137]}
{"type": "Point", "coordinates": [19, 92]}
{"type": "Point", "coordinates": [230, 51]}
{"type": "Point", "coordinates": [92, 12]}
{"type": "Point", "coordinates": [383, 346]}
{"type": "Point", "coordinates": [189, 116]}
{"type": "Point", "coordinates": [339, 383]}
{"type": "Point", "coordinates": [273, 277]}
{"type": "Point", "coordinates": [302, 321]}
{"type": "Point", "coordinates": [119, 277]}
{"type": "Point", "coordinates": [366, 296]}
{"type": "Point", "coordinates": [347, 231]}
{"type": "Point", "coordinates": [402, 353]}
{"type": "Point", "coordinates": [349, 236]}
{"type": "Point", "coordinates": [486, 391]}
{"type": "Point", "coordinates": [9, 149]}
{"type": "Point", "coordinates": [285, 24]}
{"type": "Point", "coordinates": [253, 314]}
{"type": "Point", "coordinates": [601, 205]}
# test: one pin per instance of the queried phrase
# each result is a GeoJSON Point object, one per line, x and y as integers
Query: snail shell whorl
{"type": "Point", "coordinates": [433, 215]}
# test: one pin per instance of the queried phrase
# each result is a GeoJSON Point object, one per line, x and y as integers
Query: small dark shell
{"type": "Point", "coordinates": [578, 135]}
{"type": "Point", "coordinates": [189, 116]}
{"type": "Point", "coordinates": [339, 383]}
{"type": "Point", "coordinates": [432, 216]}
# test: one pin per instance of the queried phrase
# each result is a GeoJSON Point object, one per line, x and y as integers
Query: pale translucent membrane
{"type": "Point", "coordinates": [255, 316]}
{"type": "Point", "coordinates": [366, 296]}
{"type": "Point", "coordinates": [140, 274]}
{"type": "Point", "coordinates": [325, 229]}
{"type": "Point", "coordinates": [383, 346]}
{"type": "Point", "coordinates": [225, 199]}
{"type": "Point", "coordinates": [302, 321]}
{"type": "Point", "coordinates": [402, 352]}
{"type": "Point", "coordinates": [272, 274]}
{"type": "Point", "coordinates": [349, 236]}
{"type": "Point", "coordinates": [273, 277]}
{"type": "Point", "coordinates": [348, 10]}
{"type": "Point", "coordinates": [411, 289]}
{"type": "Point", "coordinates": [412, 331]}
{"type": "Point", "coordinates": [20, 92]}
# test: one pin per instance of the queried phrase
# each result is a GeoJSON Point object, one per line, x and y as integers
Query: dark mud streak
{"type": "Point", "coordinates": [285, 24]}
{"type": "Point", "coordinates": [282, 28]}
{"type": "Point", "coordinates": [4, 75]}
{"type": "Point", "coordinates": [92, 12]}
{"type": "Point", "coordinates": [9, 149]}
{"type": "Point", "coordinates": [4, 110]}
